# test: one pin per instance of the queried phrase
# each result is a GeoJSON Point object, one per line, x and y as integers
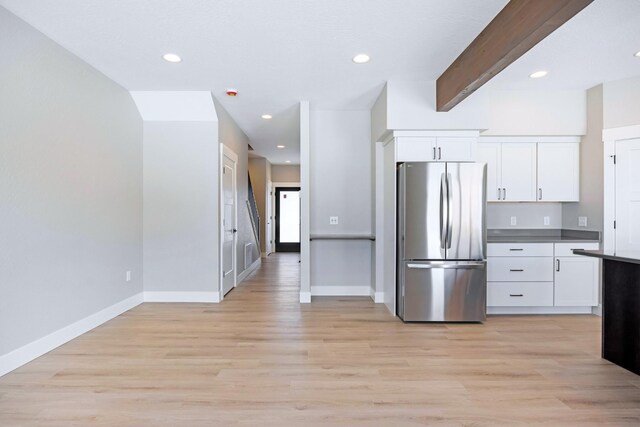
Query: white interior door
{"type": "Point", "coordinates": [269, 220]}
{"type": "Point", "coordinates": [519, 172]}
{"type": "Point", "coordinates": [229, 218]}
{"type": "Point", "coordinates": [627, 195]}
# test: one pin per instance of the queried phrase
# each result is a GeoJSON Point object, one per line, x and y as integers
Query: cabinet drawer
{"type": "Point", "coordinates": [566, 249]}
{"type": "Point", "coordinates": [520, 269]}
{"type": "Point", "coordinates": [520, 249]}
{"type": "Point", "coordinates": [529, 294]}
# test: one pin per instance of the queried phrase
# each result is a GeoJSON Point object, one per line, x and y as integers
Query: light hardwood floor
{"type": "Point", "coordinates": [262, 359]}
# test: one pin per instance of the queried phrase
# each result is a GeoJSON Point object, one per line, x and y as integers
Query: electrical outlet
{"type": "Point", "coordinates": [333, 220]}
{"type": "Point", "coordinates": [514, 220]}
{"type": "Point", "coordinates": [128, 276]}
{"type": "Point", "coordinates": [547, 220]}
{"type": "Point", "coordinates": [582, 221]}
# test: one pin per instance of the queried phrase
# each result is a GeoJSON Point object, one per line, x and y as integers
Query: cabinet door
{"type": "Point", "coordinates": [519, 172]}
{"type": "Point", "coordinates": [452, 149]}
{"type": "Point", "coordinates": [576, 281]}
{"type": "Point", "coordinates": [416, 149]}
{"type": "Point", "coordinates": [489, 153]}
{"type": "Point", "coordinates": [558, 171]}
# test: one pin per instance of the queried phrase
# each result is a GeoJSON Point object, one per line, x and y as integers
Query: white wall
{"type": "Point", "coordinates": [411, 105]}
{"type": "Point", "coordinates": [528, 215]}
{"type": "Point", "coordinates": [536, 113]}
{"type": "Point", "coordinates": [70, 189]}
{"type": "Point", "coordinates": [181, 207]}
{"type": "Point", "coordinates": [285, 173]}
{"type": "Point", "coordinates": [305, 205]}
{"type": "Point", "coordinates": [621, 105]}
{"type": "Point", "coordinates": [341, 186]}
{"type": "Point", "coordinates": [591, 202]}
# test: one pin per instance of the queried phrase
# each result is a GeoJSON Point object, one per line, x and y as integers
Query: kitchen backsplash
{"type": "Point", "coordinates": [527, 215]}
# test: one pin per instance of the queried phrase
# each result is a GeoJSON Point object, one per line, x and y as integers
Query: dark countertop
{"type": "Point", "coordinates": [623, 256]}
{"type": "Point", "coordinates": [541, 236]}
{"type": "Point", "coordinates": [538, 239]}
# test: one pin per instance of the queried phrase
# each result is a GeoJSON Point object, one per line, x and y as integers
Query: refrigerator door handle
{"type": "Point", "coordinates": [466, 265]}
{"type": "Point", "coordinates": [444, 210]}
{"type": "Point", "coordinates": [449, 210]}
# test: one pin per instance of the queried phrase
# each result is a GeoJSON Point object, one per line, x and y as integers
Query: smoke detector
{"type": "Point", "coordinates": [232, 92]}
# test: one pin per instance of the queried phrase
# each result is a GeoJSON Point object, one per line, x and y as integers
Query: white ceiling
{"type": "Point", "coordinates": [278, 52]}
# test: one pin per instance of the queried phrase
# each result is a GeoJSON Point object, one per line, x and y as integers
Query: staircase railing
{"type": "Point", "coordinates": [253, 213]}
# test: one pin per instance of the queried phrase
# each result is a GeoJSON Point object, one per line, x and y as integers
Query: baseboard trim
{"type": "Point", "coordinates": [35, 349]}
{"type": "Point", "coordinates": [377, 297]}
{"type": "Point", "coordinates": [597, 310]}
{"type": "Point", "coordinates": [340, 291]}
{"type": "Point", "coordinates": [210, 297]}
{"type": "Point", "coordinates": [539, 310]}
{"type": "Point", "coordinates": [305, 297]}
{"type": "Point", "coordinates": [248, 271]}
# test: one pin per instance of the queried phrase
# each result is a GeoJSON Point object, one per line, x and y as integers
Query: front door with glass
{"type": "Point", "coordinates": [288, 219]}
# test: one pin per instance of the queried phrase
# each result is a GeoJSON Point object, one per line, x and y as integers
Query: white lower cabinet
{"type": "Point", "coordinates": [540, 275]}
{"type": "Point", "coordinates": [576, 277]}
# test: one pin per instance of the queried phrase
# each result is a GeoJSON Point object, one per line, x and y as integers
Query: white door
{"type": "Point", "coordinates": [489, 153]}
{"type": "Point", "coordinates": [628, 195]}
{"type": "Point", "coordinates": [576, 281]}
{"type": "Point", "coordinates": [558, 171]}
{"type": "Point", "coordinates": [519, 172]}
{"type": "Point", "coordinates": [269, 220]}
{"type": "Point", "coordinates": [228, 221]}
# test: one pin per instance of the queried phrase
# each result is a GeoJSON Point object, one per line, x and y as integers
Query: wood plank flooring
{"type": "Point", "coordinates": [261, 359]}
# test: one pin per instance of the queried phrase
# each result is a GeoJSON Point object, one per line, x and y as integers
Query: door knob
{"type": "Point", "coordinates": [235, 231]}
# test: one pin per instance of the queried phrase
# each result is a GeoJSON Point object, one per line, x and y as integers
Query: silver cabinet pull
{"type": "Point", "coordinates": [539, 193]}
{"type": "Point", "coordinates": [439, 153]}
{"type": "Point", "coordinates": [499, 194]}
{"type": "Point", "coordinates": [434, 153]}
{"type": "Point", "coordinates": [516, 269]}
{"type": "Point", "coordinates": [516, 295]}
{"type": "Point", "coordinates": [557, 265]}
{"type": "Point", "coordinates": [504, 194]}
{"type": "Point", "coordinates": [518, 249]}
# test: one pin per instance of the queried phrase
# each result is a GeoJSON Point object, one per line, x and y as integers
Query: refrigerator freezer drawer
{"type": "Point", "coordinates": [444, 292]}
{"type": "Point", "coordinates": [524, 294]}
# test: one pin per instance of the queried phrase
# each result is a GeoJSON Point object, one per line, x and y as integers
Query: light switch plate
{"type": "Point", "coordinates": [128, 276]}
{"type": "Point", "coordinates": [582, 221]}
{"type": "Point", "coordinates": [333, 220]}
{"type": "Point", "coordinates": [514, 220]}
{"type": "Point", "coordinates": [547, 220]}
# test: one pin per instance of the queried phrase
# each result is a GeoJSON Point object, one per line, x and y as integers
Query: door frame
{"type": "Point", "coordinates": [226, 151]}
{"type": "Point", "coordinates": [275, 186]}
{"type": "Point", "coordinates": [268, 230]}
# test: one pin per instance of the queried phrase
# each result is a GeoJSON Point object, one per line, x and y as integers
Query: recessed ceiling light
{"type": "Point", "coordinates": [287, 161]}
{"type": "Point", "coordinates": [637, 54]}
{"type": "Point", "coordinates": [280, 146]}
{"type": "Point", "coordinates": [361, 58]}
{"type": "Point", "coordinates": [267, 116]}
{"type": "Point", "coordinates": [171, 57]}
{"type": "Point", "coordinates": [538, 74]}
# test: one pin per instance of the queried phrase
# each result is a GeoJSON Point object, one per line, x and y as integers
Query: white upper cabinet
{"type": "Point", "coordinates": [491, 154]}
{"type": "Point", "coordinates": [435, 149]}
{"type": "Point", "coordinates": [456, 149]}
{"type": "Point", "coordinates": [527, 171]}
{"type": "Point", "coordinates": [519, 172]}
{"type": "Point", "coordinates": [511, 171]}
{"type": "Point", "coordinates": [558, 172]}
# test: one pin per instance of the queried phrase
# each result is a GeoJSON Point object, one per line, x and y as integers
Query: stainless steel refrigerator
{"type": "Point", "coordinates": [441, 253]}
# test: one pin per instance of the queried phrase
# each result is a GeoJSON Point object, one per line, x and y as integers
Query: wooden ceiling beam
{"type": "Point", "coordinates": [518, 27]}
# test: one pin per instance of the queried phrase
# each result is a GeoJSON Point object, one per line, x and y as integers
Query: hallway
{"type": "Point", "coordinates": [261, 358]}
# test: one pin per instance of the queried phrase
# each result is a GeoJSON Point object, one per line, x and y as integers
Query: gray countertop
{"type": "Point", "coordinates": [623, 256]}
{"type": "Point", "coordinates": [541, 236]}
